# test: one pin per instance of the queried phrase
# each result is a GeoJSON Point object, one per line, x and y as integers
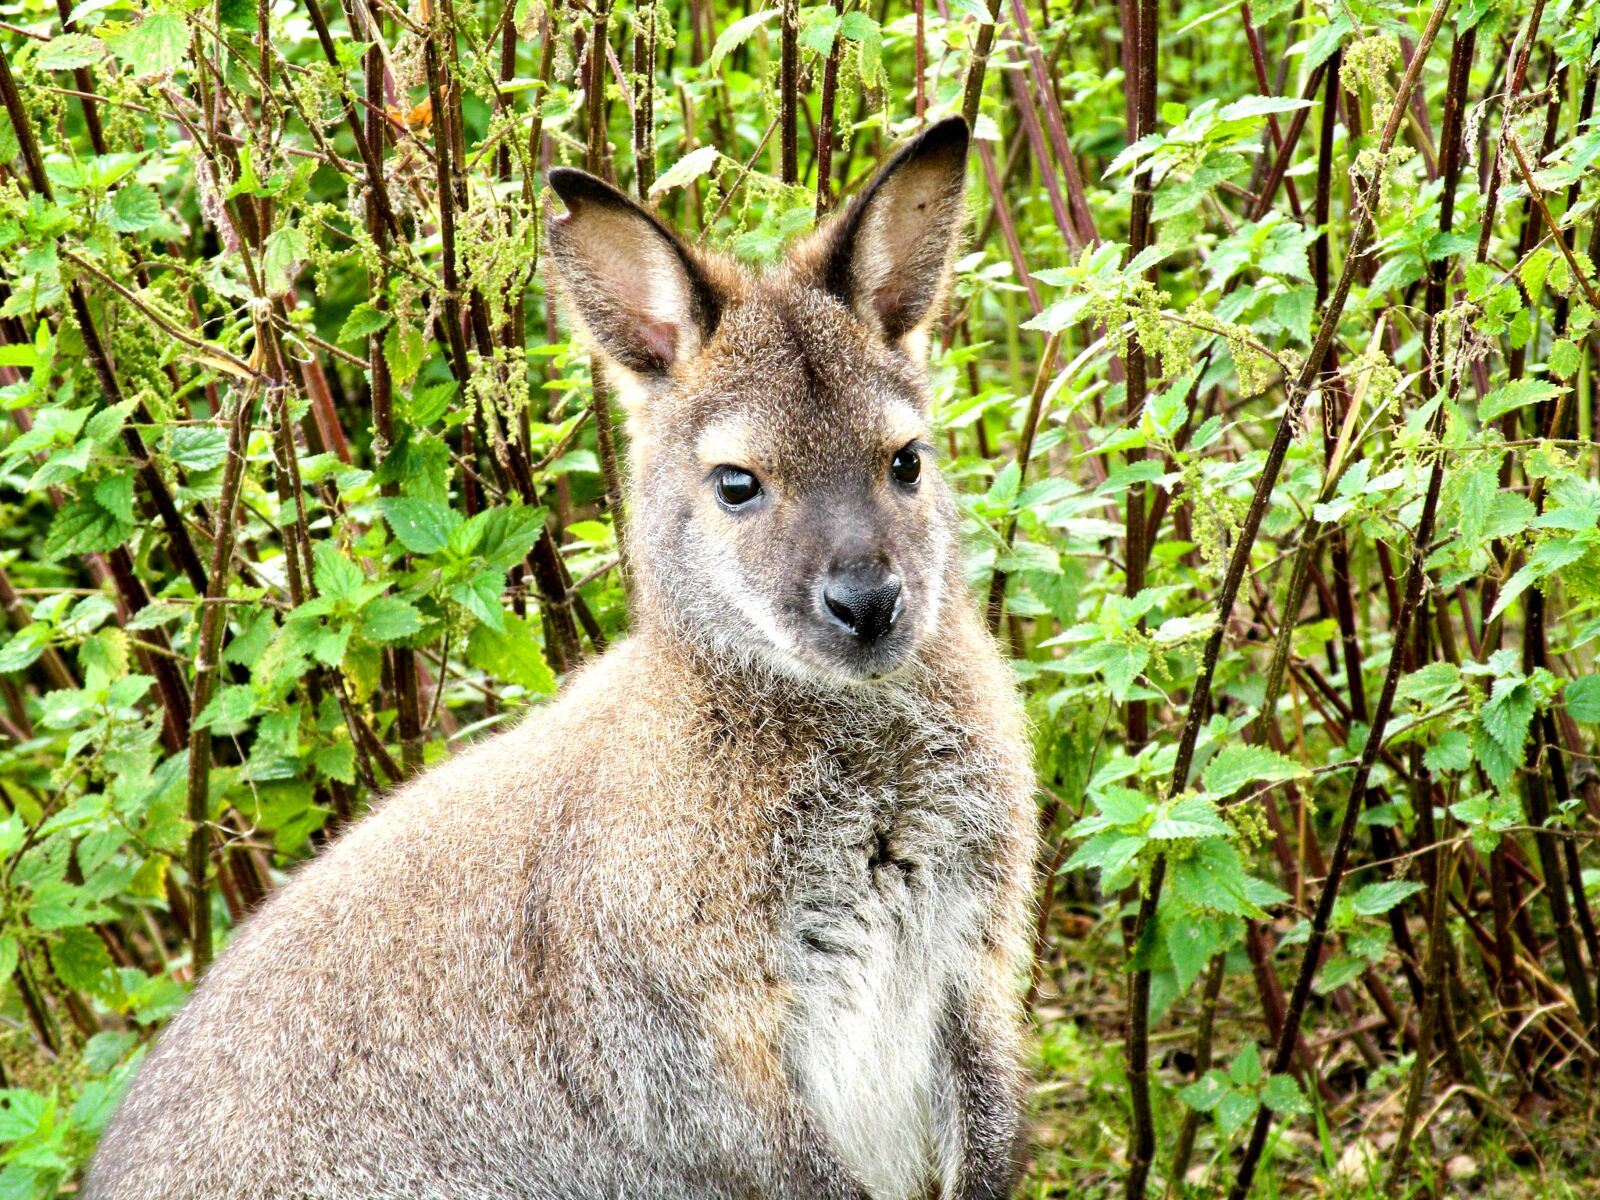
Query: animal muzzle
{"type": "Point", "coordinates": [865, 601]}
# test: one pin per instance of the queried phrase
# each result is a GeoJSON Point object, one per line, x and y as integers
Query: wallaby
{"type": "Point", "coordinates": [741, 914]}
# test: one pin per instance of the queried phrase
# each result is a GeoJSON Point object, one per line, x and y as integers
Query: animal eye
{"type": "Point", "coordinates": [907, 465]}
{"type": "Point", "coordinates": [736, 488]}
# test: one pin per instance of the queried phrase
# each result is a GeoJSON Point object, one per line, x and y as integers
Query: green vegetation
{"type": "Point", "coordinates": [1267, 382]}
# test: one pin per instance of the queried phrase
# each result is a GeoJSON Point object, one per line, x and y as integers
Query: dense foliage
{"type": "Point", "coordinates": [1267, 385]}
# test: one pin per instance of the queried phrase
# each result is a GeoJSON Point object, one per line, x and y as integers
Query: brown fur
{"type": "Point", "coordinates": [741, 913]}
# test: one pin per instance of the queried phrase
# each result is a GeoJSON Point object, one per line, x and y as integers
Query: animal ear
{"type": "Point", "coordinates": [891, 249]}
{"type": "Point", "coordinates": [626, 278]}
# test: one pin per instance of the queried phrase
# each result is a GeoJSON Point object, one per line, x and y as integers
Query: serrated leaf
{"type": "Point", "coordinates": [686, 170]}
{"type": "Point", "coordinates": [70, 51]}
{"type": "Point", "coordinates": [155, 46]}
{"type": "Point", "coordinates": [364, 321]}
{"type": "Point", "coordinates": [1378, 898]}
{"type": "Point", "coordinates": [481, 596]}
{"type": "Point", "coordinates": [512, 654]}
{"type": "Point", "coordinates": [1581, 698]}
{"type": "Point", "coordinates": [197, 447]}
{"type": "Point", "coordinates": [335, 575]}
{"type": "Point", "coordinates": [1235, 766]}
{"type": "Point", "coordinates": [135, 206]}
{"type": "Point", "coordinates": [1452, 752]}
{"type": "Point", "coordinates": [389, 618]}
{"type": "Point", "coordinates": [114, 493]}
{"type": "Point", "coordinates": [1516, 394]}
{"type": "Point", "coordinates": [1283, 1096]}
{"type": "Point", "coordinates": [421, 526]}
{"type": "Point", "coordinates": [83, 527]}
{"type": "Point", "coordinates": [735, 35]}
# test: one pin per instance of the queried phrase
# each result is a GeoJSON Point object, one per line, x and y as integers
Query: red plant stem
{"type": "Point", "coordinates": [788, 94]}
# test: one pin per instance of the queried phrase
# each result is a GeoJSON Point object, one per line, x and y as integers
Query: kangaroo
{"type": "Point", "coordinates": [742, 913]}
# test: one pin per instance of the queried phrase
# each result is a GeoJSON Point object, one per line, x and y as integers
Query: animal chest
{"type": "Point", "coordinates": [886, 913]}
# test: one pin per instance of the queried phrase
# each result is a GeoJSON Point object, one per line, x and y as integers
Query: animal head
{"type": "Point", "coordinates": [785, 505]}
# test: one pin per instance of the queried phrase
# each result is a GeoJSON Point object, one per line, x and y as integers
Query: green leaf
{"type": "Point", "coordinates": [335, 575]}
{"type": "Point", "coordinates": [70, 51]}
{"type": "Point", "coordinates": [155, 46]}
{"type": "Point", "coordinates": [1245, 1069]}
{"type": "Point", "coordinates": [421, 526]}
{"type": "Point", "coordinates": [1508, 713]}
{"type": "Point", "coordinates": [687, 169]}
{"type": "Point", "coordinates": [197, 447]}
{"type": "Point", "coordinates": [1118, 662]}
{"type": "Point", "coordinates": [364, 321]}
{"type": "Point", "coordinates": [1582, 699]}
{"type": "Point", "coordinates": [1236, 766]}
{"type": "Point", "coordinates": [512, 654]}
{"type": "Point", "coordinates": [1282, 1095]}
{"type": "Point", "coordinates": [403, 350]}
{"type": "Point", "coordinates": [1452, 752]}
{"type": "Point", "coordinates": [281, 257]}
{"type": "Point", "coordinates": [1340, 970]}
{"type": "Point", "coordinates": [114, 493]}
{"type": "Point", "coordinates": [83, 527]}
{"type": "Point", "coordinates": [1431, 686]}
{"type": "Point", "coordinates": [735, 35]}
{"type": "Point", "coordinates": [1378, 898]}
{"type": "Point", "coordinates": [389, 618]}
{"type": "Point", "coordinates": [1205, 1093]}
{"type": "Point", "coordinates": [134, 207]}
{"type": "Point", "coordinates": [229, 712]}
{"type": "Point", "coordinates": [1191, 941]}
{"type": "Point", "coordinates": [481, 597]}
{"type": "Point", "coordinates": [859, 27]}
{"type": "Point", "coordinates": [1514, 395]}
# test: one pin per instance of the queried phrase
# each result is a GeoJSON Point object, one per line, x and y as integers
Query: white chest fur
{"type": "Point", "coordinates": [879, 945]}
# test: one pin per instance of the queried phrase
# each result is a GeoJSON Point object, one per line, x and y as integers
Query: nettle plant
{"type": "Point", "coordinates": [1266, 384]}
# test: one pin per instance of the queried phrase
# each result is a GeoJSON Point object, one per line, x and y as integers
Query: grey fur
{"type": "Point", "coordinates": [740, 915]}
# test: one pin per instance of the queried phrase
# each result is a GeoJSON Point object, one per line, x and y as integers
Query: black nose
{"type": "Point", "coordinates": [865, 603]}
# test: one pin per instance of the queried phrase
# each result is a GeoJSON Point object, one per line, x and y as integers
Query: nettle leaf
{"type": "Point", "coordinates": [1235, 766]}
{"type": "Point", "coordinates": [1581, 697]}
{"type": "Point", "coordinates": [1205, 1093]}
{"type": "Point", "coordinates": [335, 575]}
{"type": "Point", "coordinates": [1508, 713]}
{"type": "Point", "coordinates": [196, 447]}
{"type": "Point", "coordinates": [1516, 394]}
{"type": "Point", "coordinates": [1497, 764]}
{"type": "Point", "coordinates": [1112, 854]}
{"type": "Point", "coordinates": [1431, 686]}
{"type": "Point", "coordinates": [281, 257]}
{"type": "Point", "coordinates": [114, 493]}
{"type": "Point", "coordinates": [736, 34]}
{"type": "Point", "coordinates": [1212, 878]}
{"type": "Point", "coordinates": [83, 527]}
{"type": "Point", "coordinates": [1191, 941]}
{"type": "Point", "coordinates": [1452, 752]}
{"type": "Point", "coordinates": [1119, 663]}
{"type": "Point", "coordinates": [1378, 898]}
{"type": "Point", "coordinates": [513, 653]}
{"type": "Point", "coordinates": [70, 51]}
{"type": "Point", "coordinates": [364, 321]}
{"type": "Point", "coordinates": [388, 618]}
{"type": "Point", "coordinates": [686, 170]}
{"type": "Point", "coordinates": [404, 349]}
{"type": "Point", "coordinates": [1339, 970]}
{"type": "Point", "coordinates": [1191, 817]}
{"type": "Point", "coordinates": [481, 596]}
{"type": "Point", "coordinates": [1549, 556]}
{"type": "Point", "coordinates": [421, 526]}
{"type": "Point", "coordinates": [1282, 1095]}
{"type": "Point", "coordinates": [155, 46]}
{"type": "Point", "coordinates": [134, 207]}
